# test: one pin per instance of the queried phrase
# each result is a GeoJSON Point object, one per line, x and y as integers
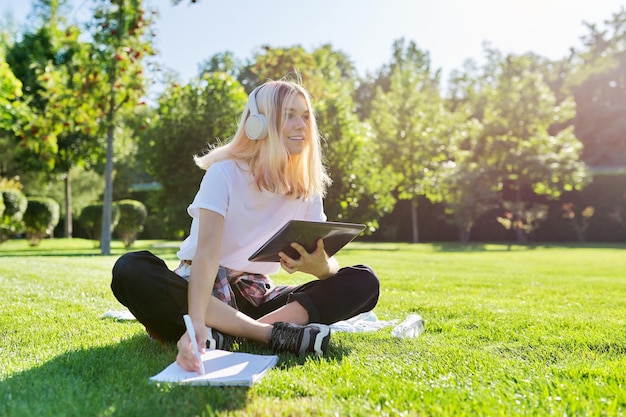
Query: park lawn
{"type": "Point", "coordinates": [510, 330]}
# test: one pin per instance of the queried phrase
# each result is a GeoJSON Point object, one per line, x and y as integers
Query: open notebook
{"type": "Point", "coordinates": [222, 368]}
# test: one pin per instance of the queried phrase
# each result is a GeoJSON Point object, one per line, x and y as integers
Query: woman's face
{"type": "Point", "coordinates": [295, 130]}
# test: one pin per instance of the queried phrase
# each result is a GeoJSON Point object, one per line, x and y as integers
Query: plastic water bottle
{"type": "Point", "coordinates": [411, 327]}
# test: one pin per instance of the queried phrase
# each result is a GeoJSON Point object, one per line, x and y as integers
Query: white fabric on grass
{"type": "Point", "coordinates": [364, 322]}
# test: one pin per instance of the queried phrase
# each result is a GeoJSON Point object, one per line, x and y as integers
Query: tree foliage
{"type": "Point", "coordinates": [508, 134]}
{"type": "Point", "coordinates": [277, 63]}
{"type": "Point", "coordinates": [361, 184]}
{"type": "Point", "coordinates": [524, 158]}
{"type": "Point", "coordinates": [13, 114]}
{"type": "Point", "coordinates": [14, 110]}
{"type": "Point", "coordinates": [65, 93]}
{"type": "Point", "coordinates": [462, 185]}
{"type": "Point", "coordinates": [39, 49]}
{"type": "Point", "coordinates": [411, 124]}
{"type": "Point", "coordinates": [190, 118]}
{"type": "Point", "coordinates": [598, 84]}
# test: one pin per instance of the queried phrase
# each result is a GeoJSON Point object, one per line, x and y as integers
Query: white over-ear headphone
{"type": "Point", "coordinates": [256, 126]}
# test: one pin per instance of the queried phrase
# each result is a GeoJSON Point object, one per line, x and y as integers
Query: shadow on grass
{"type": "Point", "coordinates": [110, 380]}
{"type": "Point", "coordinates": [165, 255]}
{"type": "Point", "coordinates": [72, 252]}
{"type": "Point", "coordinates": [114, 380]}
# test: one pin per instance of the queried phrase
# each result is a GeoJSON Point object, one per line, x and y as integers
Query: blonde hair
{"type": "Point", "coordinates": [273, 168]}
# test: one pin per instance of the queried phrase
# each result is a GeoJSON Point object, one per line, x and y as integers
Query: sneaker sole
{"type": "Point", "coordinates": [319, 346]}
{"type": "Point", "coordinates": [219, 341]}
{"type": "Point", "coordinates": [211, 343]}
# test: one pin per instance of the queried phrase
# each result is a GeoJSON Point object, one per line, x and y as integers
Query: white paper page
{"type": "Point", "coordinates": [222, 368]}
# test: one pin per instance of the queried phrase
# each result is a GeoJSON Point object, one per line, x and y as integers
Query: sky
{"type": "Point", "coordinates": [451, 31]}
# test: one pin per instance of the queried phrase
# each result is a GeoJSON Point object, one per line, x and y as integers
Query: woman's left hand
{"type": "Point", "coordinates": [315, 263]}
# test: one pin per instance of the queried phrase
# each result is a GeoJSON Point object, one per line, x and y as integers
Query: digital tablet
{"type": "Point", "coordinates": [335, 234]}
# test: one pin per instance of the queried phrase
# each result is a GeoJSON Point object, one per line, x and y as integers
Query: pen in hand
{"type": "Point", "coordinates": [194, 342]}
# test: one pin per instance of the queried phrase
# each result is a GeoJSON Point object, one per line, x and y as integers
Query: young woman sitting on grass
{"type": "Point", "coordinates": [270, 172]}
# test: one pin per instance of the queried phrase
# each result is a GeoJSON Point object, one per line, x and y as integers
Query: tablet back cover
{"type": "Point", "coordinates": [335, 234]}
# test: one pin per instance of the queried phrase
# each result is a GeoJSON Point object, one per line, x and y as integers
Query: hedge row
{"type": "Point", "coordinates": [36, 217]}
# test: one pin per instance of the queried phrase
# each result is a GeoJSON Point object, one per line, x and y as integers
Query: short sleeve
{"type": "Point", "coordinates": [214, 192]}
{"type": "Point", "coordinates": [315, 210]}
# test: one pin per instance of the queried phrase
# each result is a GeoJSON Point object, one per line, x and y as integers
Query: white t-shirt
{"type": "Point", "coordinates": [251, 216]}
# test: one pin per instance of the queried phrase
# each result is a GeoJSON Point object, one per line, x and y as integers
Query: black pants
{"type": "Point", "coordinates": [157, 296]}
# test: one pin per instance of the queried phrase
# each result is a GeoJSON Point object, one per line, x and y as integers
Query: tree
{"type": "Point", "coordinates": [121, 42]}
{"type": "Point", "coordinates": [13, 112]}
{"type": "Point", "coordinates": [523, 156]}
{"type": "Point", "coordinates": [277, 63]}
{"type": "Point", "coordinates": [63, 131]}
{"type": "Point", "coordinates": [461, 185]}
{"type": "Point", "coordinates": [365, 91]}
{"type": "Point", "coordinates": [221, 62]}
{"type": "Point", "coordinates": [71, 105]}
{"type": "Point", "coordinates": [598, 82]}
{"type": "Point", "coordinates": [361, 184]}
{"type": "Point", "coordinates": [36, 136]}
{"type": "Point", "coordinates": [190, 117]}
{"type": "Point", "coordinates": [410, 124]}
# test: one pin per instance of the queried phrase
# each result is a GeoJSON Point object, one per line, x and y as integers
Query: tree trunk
{"type": "Point", "coordinates": [105, 240]}
{"type": "Point", "coordinates": [68, 206]}
{"type": "Point", "coordinates": [414, 220]}
{"type": "Point", "coordinates": [522, 237]}
{"type": "Point", "coordinates": [464, 236]}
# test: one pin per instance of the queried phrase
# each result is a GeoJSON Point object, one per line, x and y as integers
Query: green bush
{"type": "Point", "coordinates": [40, 218]}
{"type": "Point", "coordinates": [90, 220]}
{"type": "Point", "coordinates": [133, 216]}
{"type": "Point", "coordinates": [11, 222]}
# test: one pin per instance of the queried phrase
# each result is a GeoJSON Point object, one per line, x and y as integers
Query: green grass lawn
{"type": "Point", "coordinates": [509, 331]}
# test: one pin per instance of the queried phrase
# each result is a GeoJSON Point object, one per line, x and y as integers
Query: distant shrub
{"type": "Point", "coordinates": [40, 218]}
{"type": "Point", "coordinates": [133, 216]}
{"type": "Point", "coordinates": [11, 222]}
{"type": "Point", "coordinates": [90, 220]}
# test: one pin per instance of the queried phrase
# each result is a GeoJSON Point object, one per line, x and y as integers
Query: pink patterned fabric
{"type": "Point", "coordinates": [255, 288]}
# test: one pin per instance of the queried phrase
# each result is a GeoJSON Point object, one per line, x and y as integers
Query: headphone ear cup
{"type": "Point", "coordinates": [256, 128]}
